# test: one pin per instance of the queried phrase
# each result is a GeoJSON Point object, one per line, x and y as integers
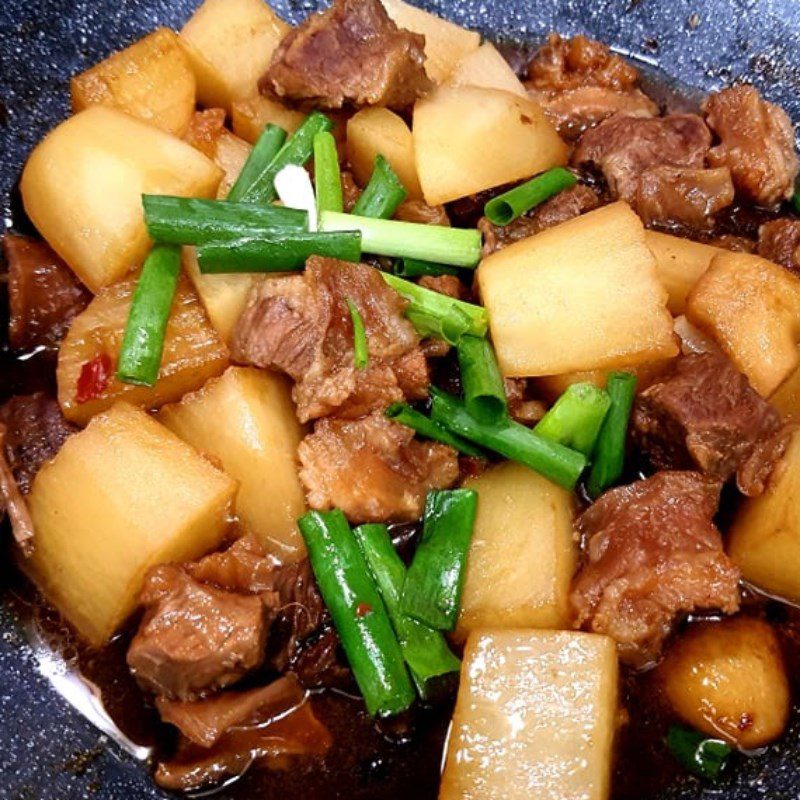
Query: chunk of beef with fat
{"type": "Point", "coordinates": [703, 414]}
{"type": "Point", "coordinates": [351, 54]}
{"type": "Point", "coordinates": [194, 637]}
{"type": "Point", "coordinates": [35, 431]}
{"type": "Point", "coordinates": [208, 622]}
{"type": "Point", "coordinates": [373, 469]}
{"type": "Point", "coordinates": [44, 296]}
{"type": "Point", "coordinates": [757, 144]}
{"type": "Point", "coordinates": [223, 736]}
{"type": "Point", "coordinates": [521, 407]}
{"type": "Point", "coordinates": [779, 241]}
{"type": "Point", "coordinates": [301, 325]}
{"type": "Point", "coordinates": [580, 82]}
{"type": "Point", "coordinates": [564, 206]}
{"type": "Point", "coordinates": [13, 503]}
{"type": "Point", "coordinates": [420, 212]}
{"type": "Point", "coordinates": [683, 195]}
{"type": "Point", "coordinates": [652, 553]}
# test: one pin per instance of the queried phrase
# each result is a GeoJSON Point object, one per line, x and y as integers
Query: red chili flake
{"type": "Point", "coordinates": [745, 721]}
{"type": "Point", "coordinates": [363, 609]}
{"type": "Point", "coordinates": [93, 379]}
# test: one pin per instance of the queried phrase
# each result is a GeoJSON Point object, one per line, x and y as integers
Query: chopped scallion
{"type": "Point", "coordinates": [484, 392]}
{"type": "Point", "coordinates": [358, 612]}
{"type": "Point", "coordinates": [265, 149]}
{"type": "Point", "coordinates": [458, 247]}
{"type": "Point", "coordinates": [576, 417]}
{"type": "Point", "coordinates": [383, 194]}
{"type": "Point", "coordinates": [425, 650]}
{"type": "Point", "coordinates": [425, 426]}
{"type": "Point", "coordinates": [360, 344]}
{"type": "Point", "coordinates": [609, 452]}
{"type": "Point", "coordinates": [416, 268]}
{"type": "Point", "coordinates": [510, 439]}
{"type": "Point", "coordinates": [696, 752]}
{"type": "Point", "coordinates": [435, 579]}
{"type": "Point", "coordinates": [143, 342]}
{"type": "Point", "coordinates": [510, 205]}
{"type": "Point", "coordinates": [327, 175]}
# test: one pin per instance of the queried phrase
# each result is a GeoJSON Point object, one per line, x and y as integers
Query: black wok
{"type": "Point", "coordinates": [48, 750]}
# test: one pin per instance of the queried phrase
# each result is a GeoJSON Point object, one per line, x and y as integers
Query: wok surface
{"type": "Point", "coordinates": [48, 751]}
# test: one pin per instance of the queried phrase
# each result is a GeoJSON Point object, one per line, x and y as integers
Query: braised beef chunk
{"type": "Point", "coordinates": [580, 82]}
{"type": "Point", "coordinates": [350, 191]}
{"type": "Point", "coordinates": [13, 503]}
{"type": "Point", "coordinates": [44, 295]}
{"type": "Point", "coordinates": [448, 285]}
{"type": "Point", "coordinates": [350, 54]}
{"type": "Point", "coordinates": [195, 638]}
{"type": "Point", "coordinates": [703, 414]}
{"type": "Point", "coordinates": [373, 469]}
{"type": "Point", "coordinates": [419, 211]}
{"type": "Point", "coordinates": [318, 663]}
{"type": "Point", "coordinates": [652, 553]}
{"type": "Point", "coordinates": [222, 737]}
{"type": "Point", "coordinates": [301, 325]}
{"type": "Point", "coordinates": [564, 206]}
{"type": "Point", "coordinates": [756, 144]}
{"type": "Point", "coordinates": [683, 195]}
{"type": "Point", "coordinates": [243, 567]}
{"type": "Point", "coordinates": [623, 147]}
{"type": "Point", "coordinates": [779, 241]}
{"type": "Point", "coordinates": [521, 407]}
{"type": "Point", "coordinates": [35, 431]}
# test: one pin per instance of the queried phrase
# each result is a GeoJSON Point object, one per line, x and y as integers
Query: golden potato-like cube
{"type": "Point", "coordinates": [468, 138]}
{"type": "Point", "coordinates": [446, 44]}
{"type": "Point", "coordinates": [751, 308]}
{"type": "Point", "coordinates": [193, 353]}
{"type": "Point", "coordinates": [582, 295]}
{"type": "Point", "coordinates": [250, 116]}
{"type": "Point", "coordinates": [523, 553]}
{"type": "Point", "coordinates": [679, 263]}
{"type": "Point", "coordinates": [224, 296]}
{"type": "Point", "coordinates": [230, 44]}
{"type": "Point", "coordinates": [247, 420]}
{"type": "Point", "coordinates": [82, 188]}
{"type": "Point", "coordinates": [535, 717]}
{"type": "Point", "coordinates": [379, 131]}
{"type": "Point", "coordinates": [727, 679]}
{"type": "Point", "coordinates": [120, 497]}
{"type": "Point", "coordinates": [151, 80]}
{"type": "Point", "coordinates": [765, 536]}
{"type": "Point", "coordinates": [486, 67]}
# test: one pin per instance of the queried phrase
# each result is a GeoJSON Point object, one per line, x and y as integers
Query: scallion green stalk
{"type": "Point", "coordinates": [435, 579]}
{"type": "Point", "coordinates": [436, 315]}
{"type": "Point", "coordinates": [281, 252]}
{"type": "Point", "coordinates": [327, 174]}
{"type": "Point", "coordinates": [425, 426]}
{"type": "Point", "coordinates": [696, 752]}
{"type": "Point", "coordinates": [425, 650]}
{"type": "Point", "coordinates": [143, 342]}
{"type": "Point", "coordinates": [576, 417]}
{"type": "Point", "coordinates": [184, 220]}
{"type": "Point", "coordinates": [511, 440]}
{"type": "Point", "coordinates": [360, 344]}
{"type": "Point", "coordinates": [298, 149]}
{"type": "Point", "coordinates": [383, 194]}
{"type": "Point", "coordinates": [609, 452]}
{"type": "Point", "coordinates": [458, 247]}
{"type": "Point", "coordinates": [484, 392]}
{"type": "Point", "coordinates": [266, 148]}
{"type": "Point", "coordinates": [358, 612]}
{"type": "Point", "coordinates": [415, 268]}
{"type": "Point", "coordinates": [510, 205]}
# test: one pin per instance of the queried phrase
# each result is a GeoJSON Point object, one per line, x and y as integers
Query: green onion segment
{"type": "Point", "coordinates": [511, 205]}
{"type": "Point", "coordinates": [383, 194]}
{"type": "Point", "coordinates": [576, 417]}
{"type": "Point", "coordinates": [264, 151]}
{"type": "Point", "coordinates": [484, 392]}
{"type": "Point", "coordinates": [360, 345]}
{"type": "Point", "coordinates": [425, 426]}
{"type": "Point", "coordinates": [327, 175]}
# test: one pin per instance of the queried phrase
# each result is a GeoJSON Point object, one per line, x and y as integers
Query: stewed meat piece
{"type": "Point", "coordinates": [756, 143]}
{"type": "Point", "coordinates": [580, 82]}
{"type": "Point", "coordinates": [779, 241]}
{"type": "Point", "coordinates": [419, 211]}
{"type": "Point", "coordinates": [564, 206]}
{"type": "Point", "coordinates": [223, 736]}
{"type": "Point", "coordinates": [683, 195]}
{"type": "Point", "coordinates": [44, 296]}
{"type": "Point", "coordinates": [373, 469]}
{"type": "Point", "coordinates": [195, 638]}
{"type": "Point", "coordinates": [35, 431]}
{"type": "Point", "coordinates": [301, 325]}
{"type": "Point", "coordinates": [449, 285]}
{"type": "Point", "coordinates": [351, 54]}
{"type": "Point", "coordinates": [623, 147]}
{"type": "Point", "coordinates": [703, 414]}
{"type": "Point", "coordinates": [652, 553]}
